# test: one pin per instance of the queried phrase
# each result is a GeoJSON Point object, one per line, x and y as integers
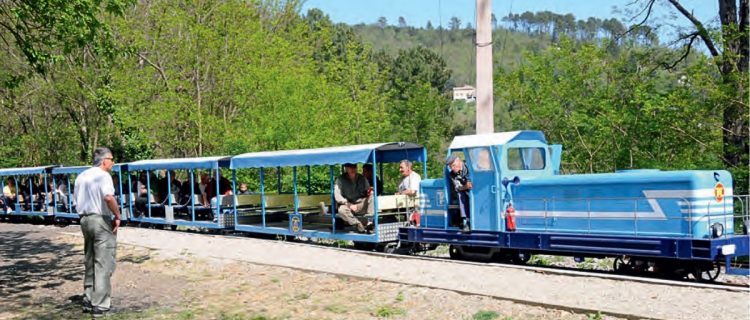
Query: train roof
{"type": "Point", "coordinates": [385, 152]}
{"type": "Point", "coordinates": [79, 169]}
{"type": "Point", "coordinates": [180, 163]}
{"type": "Point", "coordinates": [27, 170]}
{"type": "Point", "coordinates": [67, 170]}
{"type": "Point", "coordinates": [495, 139]}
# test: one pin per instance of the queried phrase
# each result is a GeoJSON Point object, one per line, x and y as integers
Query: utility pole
{"type": "Point", "coordinates": [485, 121]}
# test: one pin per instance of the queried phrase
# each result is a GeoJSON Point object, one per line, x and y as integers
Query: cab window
{"type": "Point", "coordinates": [481, 159]}
{"type": "Point", "coordinates": [526, 159]}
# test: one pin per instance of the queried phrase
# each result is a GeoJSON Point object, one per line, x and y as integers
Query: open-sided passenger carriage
{"type": "Point", "coordinates": [62, 203]}
{"type": "Point", "coordinates": [298, 214]}
{"type": "Point", "coordinates": [183, 208]}
{"type": "Point", "coordinates": [31, 191]}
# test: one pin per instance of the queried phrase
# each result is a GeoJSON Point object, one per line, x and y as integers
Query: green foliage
{"type": "Point", "coordinates": [388, 312]}
{"type": "Point", "coordinates": [47, 31]}
{"type": "Point", "coordinates": [485, 315]}
{"type": "Point", "coordinates": [610, 113]}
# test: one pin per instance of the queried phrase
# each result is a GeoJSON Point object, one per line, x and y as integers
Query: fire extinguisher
{"type": "Point", "coordinates": [510, 218]}
{"type": "Point", "coordinates": [414, 218]}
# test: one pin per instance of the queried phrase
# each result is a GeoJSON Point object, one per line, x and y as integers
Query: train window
{"type": "Point", "coordinates": [481, 159]}
{"type": "Point", "coordinates": [526, 158]}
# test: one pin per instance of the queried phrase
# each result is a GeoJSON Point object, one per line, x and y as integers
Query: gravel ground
{"type": "Point", "coordinates": [182, 275]}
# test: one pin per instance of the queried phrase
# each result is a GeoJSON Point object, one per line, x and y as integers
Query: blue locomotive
{"type": "Point", "coordinates": [679, 222]}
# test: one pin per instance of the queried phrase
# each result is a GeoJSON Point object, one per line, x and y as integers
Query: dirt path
{"type": "Point", "coordinates": [192, 276]}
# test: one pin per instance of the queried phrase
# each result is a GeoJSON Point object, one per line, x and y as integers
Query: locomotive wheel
{"type": "Point", "coordinates": [707, 275]}
{"type": "Point", "coordinates": [621, 264]}
{"type": "Point", "coordinates": [521, 257]}
{"type": "Point", "coordinates": [455, 252]}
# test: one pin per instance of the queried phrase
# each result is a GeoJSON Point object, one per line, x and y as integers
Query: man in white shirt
{"type": "Point", "coordinates": [410, 183]}
{"type": "Point", "coordinates": [100, 220]}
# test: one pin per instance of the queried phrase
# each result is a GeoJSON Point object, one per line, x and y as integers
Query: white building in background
{"type": "Point", "coordinates": [466, 93]}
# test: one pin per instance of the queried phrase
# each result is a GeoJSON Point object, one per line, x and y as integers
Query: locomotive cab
{"type": "Point", "coordinates": [490, 159]}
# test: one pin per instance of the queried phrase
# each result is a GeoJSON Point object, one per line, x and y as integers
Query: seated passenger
{"type": "Point", "coordinates": [186, 197]}
{"type": "Point", "coordinates": [225, 189]}
{"type": "Point", "coordinates": [141, 191]}
{"type": "Point", "coordinates": [164, 188]}
{"type": "Point", "coordinates": [460, 185]}
{"type": "Point", "coordinates": [410, 183]}
{"type": "Point", "coordinates": [353, 196]}
{"type": "Point", "coordinates": [61, 192]}
{"type": "Point", "coordinates": [243, 189]}
{"type": "Point", "coordinates": [367, 172]}
{"type": "Point", "coordinates": [203, 184]}
{"type": "Point", "coordinates": [9, 194]}
{"type": "Point", "coordinates": [24, 195]}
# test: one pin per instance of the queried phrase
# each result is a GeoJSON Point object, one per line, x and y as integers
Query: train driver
{"type": "Point", "coordinates": [460, 186]}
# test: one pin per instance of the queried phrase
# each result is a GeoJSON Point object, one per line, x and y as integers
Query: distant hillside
{"type": "Point", "coordinates": [512, 36]}
{"type": "Point", "coordinates": [456, 47]}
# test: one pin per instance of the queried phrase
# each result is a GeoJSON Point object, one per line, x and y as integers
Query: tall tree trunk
{"type": "Point", "coordinates": [734, 69]}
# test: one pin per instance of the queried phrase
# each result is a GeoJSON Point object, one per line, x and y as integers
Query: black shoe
{"type": "Point", "coordinates": [99, 313]}
{"type": "Point", "coordinates": [86, 306]}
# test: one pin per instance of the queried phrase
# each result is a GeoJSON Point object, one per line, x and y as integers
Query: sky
{"type": "Point", "coordinates": [418, 12]}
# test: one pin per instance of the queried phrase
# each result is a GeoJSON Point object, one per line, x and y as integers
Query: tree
{"type": "Point", "coordinates": [45, 30]}
{"type": "Point", "coordinates": [429, 25]}
{"type": "Point", "coordinates": [402, 22]}
{"type": "Point", "coordinates": [419, 65]}
{"type": "Point", "coordinates": [730, 49]}
{"type": "Point", "coordinates": [382, 22]}
{"type": "Point", "coordinates": [610, 113]}
{"type": "Point", "coordinates": [454, 24]}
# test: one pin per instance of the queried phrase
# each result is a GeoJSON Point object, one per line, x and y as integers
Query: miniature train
{"type": "Point", "coordinates": [671, 222]}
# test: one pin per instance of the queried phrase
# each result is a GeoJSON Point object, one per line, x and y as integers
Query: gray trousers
{"type": "Point", "coordinates": [365, 209]}
{"type": "Point", "coordinates": [99, 245]}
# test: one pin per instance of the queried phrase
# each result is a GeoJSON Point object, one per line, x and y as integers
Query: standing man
{"type": "Point", "coordinates": [410, 183]}
{"type": "Point", "coordinates": [100, 219]}
{"type": "Point", "coordinates": [460, 187]}
{"type": "Point", "coordinates": [353, 196]}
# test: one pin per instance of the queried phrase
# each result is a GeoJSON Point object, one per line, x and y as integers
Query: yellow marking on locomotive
{"type": "Point", "coordinates": [719, 192]}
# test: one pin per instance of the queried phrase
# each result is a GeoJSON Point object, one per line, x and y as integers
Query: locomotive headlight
{"type": "Point", "coordinates": [717, 230]}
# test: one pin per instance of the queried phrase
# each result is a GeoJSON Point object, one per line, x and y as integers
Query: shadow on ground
{"type": "Point", "coordinates": [29, 260]}
{"type": "Point", "coordinates": [41, 278]}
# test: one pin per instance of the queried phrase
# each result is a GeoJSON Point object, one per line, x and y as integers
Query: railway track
{"type": "Point", "coordinates": [575, 272]}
